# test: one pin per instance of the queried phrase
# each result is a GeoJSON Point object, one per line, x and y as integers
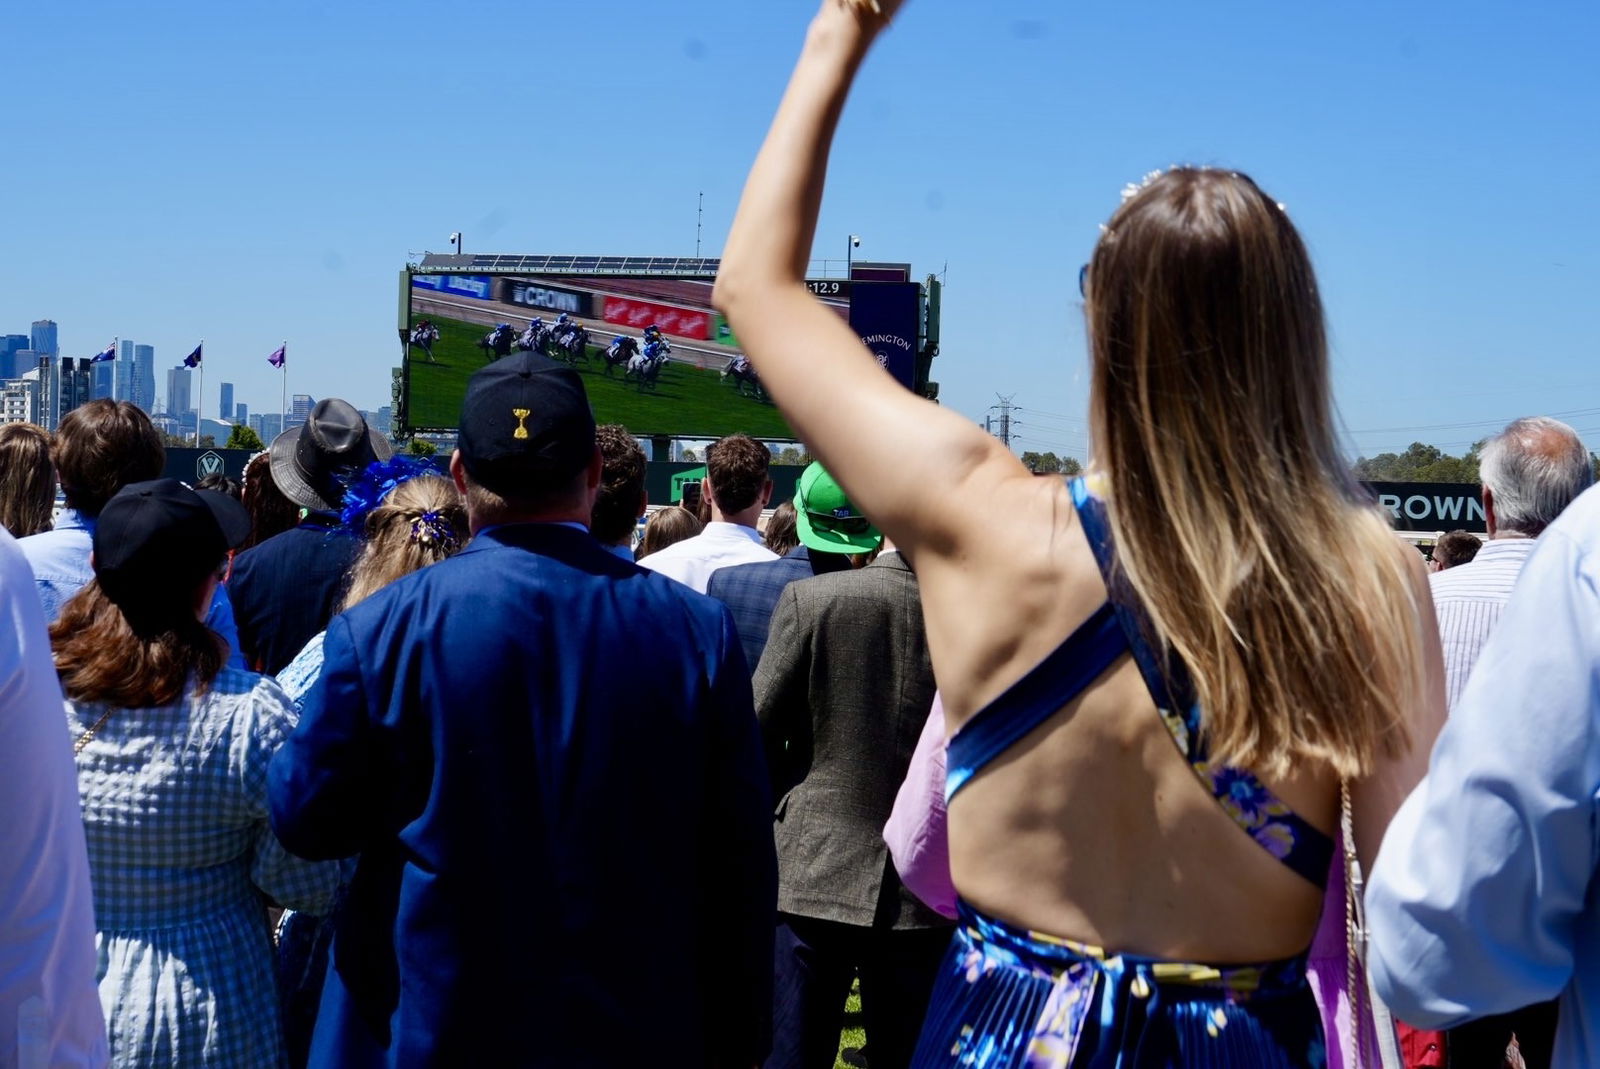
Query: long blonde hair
{"type": "Point", "coordinates": [1237, 521]}
{"type": "Point", "coordinates": [420, 522]}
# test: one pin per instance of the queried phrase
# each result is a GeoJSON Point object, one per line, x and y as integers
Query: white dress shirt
{"type": "Point", "coordinates": [1483, 898]}
{"type": "Point", "coordinates": [1469, 599]}
{"type": "Point", "coordinates": [49, 1003]}
{"type": "Point", "coordinates": [720, 545]}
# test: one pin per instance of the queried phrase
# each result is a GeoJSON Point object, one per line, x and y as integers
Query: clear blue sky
{"type": "Point", "coordinates": [249, 173]}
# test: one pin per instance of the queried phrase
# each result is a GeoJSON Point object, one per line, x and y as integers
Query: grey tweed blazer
{"type": "Point", "coordinates": [842, 691]}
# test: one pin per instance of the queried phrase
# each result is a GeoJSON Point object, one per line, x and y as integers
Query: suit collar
{"type": "Point", "coordinates": [891, 559]}
{"type": "Point", "coordinates": [552, 539]}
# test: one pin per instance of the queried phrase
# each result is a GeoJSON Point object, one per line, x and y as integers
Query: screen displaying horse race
{"type": "Point", "coordinates": [654, 355]}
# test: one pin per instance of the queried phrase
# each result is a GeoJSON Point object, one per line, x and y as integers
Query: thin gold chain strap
{"type": "Point", "coordinates": [1353, 935]}
{"type": "Point", "coordinates": [83, 740]}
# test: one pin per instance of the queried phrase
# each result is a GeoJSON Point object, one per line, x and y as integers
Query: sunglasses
{"type": "Point", "coordinates": [850, 525]}
{"type": "Point", "coordinates": [1083, 281]}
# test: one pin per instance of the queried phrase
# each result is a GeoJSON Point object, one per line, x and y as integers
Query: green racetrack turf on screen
{"type": "Point", "coordinates": [687, 401]}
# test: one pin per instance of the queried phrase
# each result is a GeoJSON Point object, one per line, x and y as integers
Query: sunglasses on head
{"type": "Point", "coordinates": [850, 525]}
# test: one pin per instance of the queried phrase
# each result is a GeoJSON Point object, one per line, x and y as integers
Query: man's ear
{"type": "Point", "coordinates": [458, 472]}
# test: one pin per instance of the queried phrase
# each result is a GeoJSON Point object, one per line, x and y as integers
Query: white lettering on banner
{"type": "Point", "coordinates": [476, 286]}
{"type": "Point", "coordinates": [1416, 507]}
{"type": "Point", "coordinates": [889, 339]}
{"type": "Point", "coordinates": [1390, 502]}
{"type": "Point", "coordinates": [1448, 508]}
{"type": "Point", "coordinates": [539, 297]}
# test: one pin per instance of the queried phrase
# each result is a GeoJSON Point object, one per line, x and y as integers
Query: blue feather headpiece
{"type": "Point", "coordinates": [367, 490]}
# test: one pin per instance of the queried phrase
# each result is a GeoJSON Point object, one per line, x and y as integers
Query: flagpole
{"type": "Point", "coordinates": [283, 404]}
{"type": "Point", "coordinates": [200, 400]}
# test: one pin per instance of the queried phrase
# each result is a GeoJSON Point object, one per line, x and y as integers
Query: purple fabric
{"type": "Point", "coordinates": [916, 829]}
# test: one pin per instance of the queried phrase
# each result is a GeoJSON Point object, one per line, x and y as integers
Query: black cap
{"type": "Point", "coordinates": [158, 539]}
{"type": "Point", "coordinates": [525, 422]}
{"type": "Point", "coordinates": [312, 462]}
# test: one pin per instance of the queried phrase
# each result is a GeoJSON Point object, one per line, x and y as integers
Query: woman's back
{"type": "Point", "coordinates": [183, 865]}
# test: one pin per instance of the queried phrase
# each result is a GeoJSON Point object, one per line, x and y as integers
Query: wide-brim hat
{"type": "Point", "coordinates": [313, 462]}
{"type": "Point", "coordinates": [824, 518]}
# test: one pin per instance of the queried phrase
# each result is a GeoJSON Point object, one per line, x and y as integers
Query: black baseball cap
{"type": "Point", "coordinates": [159, 538]}
{"type": "Point", "coordinates": [525, 422]}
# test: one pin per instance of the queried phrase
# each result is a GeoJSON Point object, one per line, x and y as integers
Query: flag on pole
{"type": "Point", "coordinates": [276, 359]}
{"type": "Point", "coordinates": [193, 359]}
{"type": "Point", "coordinates": [108, 353]}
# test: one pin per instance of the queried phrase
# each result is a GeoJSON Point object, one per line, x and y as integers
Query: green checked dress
{"type": "Point", "coordinates": [184, 864]}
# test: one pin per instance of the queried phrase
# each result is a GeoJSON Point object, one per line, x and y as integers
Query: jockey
{"type": "Point", "coordinates": [652, 333]}
{"type": "Point", "coordinates": [654, 350]}
{"type": "Point", "coordinates": [563, 325]}
{"type": "Point", "coordinates": [536, 323]}
{"type": "Point", "coordinates": [622, 343]}
{"type": "Point", "coordinates": [741, 365]}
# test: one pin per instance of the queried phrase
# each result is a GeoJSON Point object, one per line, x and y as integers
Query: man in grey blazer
{"type": "Point", "coordinates": [842, 691]}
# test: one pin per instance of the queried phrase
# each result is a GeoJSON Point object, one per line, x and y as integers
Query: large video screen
{"type": "Point", "coordinates": [654, 355]}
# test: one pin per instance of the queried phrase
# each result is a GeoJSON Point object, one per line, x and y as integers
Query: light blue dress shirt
{"type": "Point", "coordinates": [1481, 900]}
{"type": "Point", "coordinates": [60, 562]}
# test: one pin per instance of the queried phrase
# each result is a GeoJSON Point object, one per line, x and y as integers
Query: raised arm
{"type": "Point", "coordinates": [849, 412]}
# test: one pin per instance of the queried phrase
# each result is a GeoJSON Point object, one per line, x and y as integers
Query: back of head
{"type": "Point", "coordinates": [102, 446]}
{"type": "Point", "coordinates": [1237, 522]}
{"type": "Point", "coordinates": [1457, 547]}
{"type": "Point", "coordinates": [622, 470]}
{"type": "Point", "coordinates": [420, 522]}
{"type": "Point", "coordinates": [27, 479]}
{"type": "Point", "coordinates": [271, 512]}
{"type": "Point", "coordinates": [220, 483]}
{"type": "Point", "coordinates": [736, 467]}
{"type": "Point", "coordinates": [667, 527]}
{"type": "Point", "coordinates": [133, 636]}
{"type": "Point", "coordinates": [527, 437]}
{"type": "Point", "coordinates": [781, 535]}
{"type": "Point", "coordinates": [1533, 470]}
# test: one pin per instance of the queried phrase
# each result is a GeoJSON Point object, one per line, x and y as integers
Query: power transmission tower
{"type": "Point", "coordinates": [1005, 423]}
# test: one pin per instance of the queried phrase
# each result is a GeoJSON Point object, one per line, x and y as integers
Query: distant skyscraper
{"type": "Point", "coordinates": [226, 412]}
{"type": "Point", "coordinates": [124, 365]}
{"type": "Point", "coordinates": [270, 426]}
{"type": "Point", "coordinates": [144, 377]}
{"type": "Point", "coordinates": [179, 404]}
{"type": "Point", "coordinates": [44, 338]}
{"type": "Point", "coordinates": [300, 407]}
{"type": "Point", "coordinates": [103, 379]}
{"type": "Point", "coordinates": [10, 346]}
{"type": "Point", "coordinates": [241, 413]}
{"type": "Point", "coordinates": [75, 385]}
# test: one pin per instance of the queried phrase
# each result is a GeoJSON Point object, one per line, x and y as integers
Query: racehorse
{"type": "Point", "coordinates": [498, 342]}
{"type": "Point", "coordinates": [533, 339]}
{"type": "Point", "coordinates": [645, 367]}
{"type": "Point", "coordinates": [743, 375]}
{"type": "Point", "coordinates": [571, 346]}
{"type": "Point", "coordinates": [423, 335]}
{"type": "Point", "coordinates": [620, 352]}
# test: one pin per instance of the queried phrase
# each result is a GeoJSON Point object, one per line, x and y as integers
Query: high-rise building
{"type": "Point", "coordinates": [44, 337]}
{"type": "Point", "coordinates": [10, 346]}
{"type": "Point", "coordinates": [269, 425]}
{"type": "Point", "coordinates": [74, 385]}
{"type": "Point", "coordinates": [124, 373]}
{"type": "Point", "coordinates": [144, 377]}
{"type": "Point", "coordinates": [241, 413]}
{"type": "Point", "coordinates": [300, 406]}
{"type": "Point", "coordinates": [103, 378]}
{"type": "Point", "coordinates": [226, 412]}
{"type": "Point", "coordinates": [179, 404]}
{"type": "Point", "coordinates": [19, 400]}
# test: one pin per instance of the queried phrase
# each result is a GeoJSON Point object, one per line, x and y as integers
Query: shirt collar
{"type": "Point", "coordinates": [1503, 547]}
{"type": "Point", "coordinates": [731, 532]}
{"type": "Point", "coordinates": [73, 520]}
{"type": "Point", "coordinates": [620, 551]}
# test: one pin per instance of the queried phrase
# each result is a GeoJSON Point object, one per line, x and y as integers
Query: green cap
{"type": "Point", "coordinates": [826, 520]}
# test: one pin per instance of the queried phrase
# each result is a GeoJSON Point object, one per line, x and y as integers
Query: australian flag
{"type": "Point", "coordinates": [108, 353]}
{"type": "Point", "coordinates": [276, 358]}
{"type": "Point", "coordinates": [193, 359]}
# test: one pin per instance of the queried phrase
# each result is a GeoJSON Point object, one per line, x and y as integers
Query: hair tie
{"type": "Point", "coordinates": [433, 530]}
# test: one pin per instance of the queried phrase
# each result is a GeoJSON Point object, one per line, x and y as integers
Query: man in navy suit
{"type": "Point", "coordinates": [830, 530]}
{"type": "Point", "coordinates": [547, 760]}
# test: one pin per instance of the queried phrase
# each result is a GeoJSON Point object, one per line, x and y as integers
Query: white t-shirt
{"type": "Point", "coordinates": [49, 1003]}
{"type": "Point", "coordinates": [720, 545]}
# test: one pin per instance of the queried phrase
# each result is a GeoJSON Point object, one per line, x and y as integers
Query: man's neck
{"type": "Point", "coordinates": [479, 523]}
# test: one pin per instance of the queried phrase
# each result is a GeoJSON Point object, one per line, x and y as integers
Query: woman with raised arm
{"type": "Point", "coordinates": [1156, 678]}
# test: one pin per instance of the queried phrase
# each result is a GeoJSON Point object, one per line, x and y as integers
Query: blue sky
{"type": "Point", "coordinates": [250, 173]}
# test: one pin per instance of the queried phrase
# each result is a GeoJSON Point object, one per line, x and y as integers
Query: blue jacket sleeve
{"type": "Point", "coordinates": [1476, 897]}
{"type": "Point", "coordinates": [220, 619]}
{"type": "Point", "coordinates": [740, 901]}
{"type": "Point", "coordinates": [324, 784]}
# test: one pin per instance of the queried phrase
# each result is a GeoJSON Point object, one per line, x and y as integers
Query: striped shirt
{"type": "Point", "coordinates": [1469, 599]}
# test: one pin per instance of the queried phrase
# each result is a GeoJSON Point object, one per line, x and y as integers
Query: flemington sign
{"type": "Point", "coordinates": [1432, 506]}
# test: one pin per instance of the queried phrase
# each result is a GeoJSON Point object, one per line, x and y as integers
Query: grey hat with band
{"type": "Point", "coordinates": [311, 463]}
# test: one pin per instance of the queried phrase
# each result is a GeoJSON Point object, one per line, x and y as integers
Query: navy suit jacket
{"type": "Point", "coordinates": [548, 761]}
{"type": "Point", "coordinates": [285, 590]}
{"type": "Point", "coordinates": [751, 591]}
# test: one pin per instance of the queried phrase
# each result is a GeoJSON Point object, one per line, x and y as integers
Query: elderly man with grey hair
{"type": "Point", "coordinates": [1530, 472]}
